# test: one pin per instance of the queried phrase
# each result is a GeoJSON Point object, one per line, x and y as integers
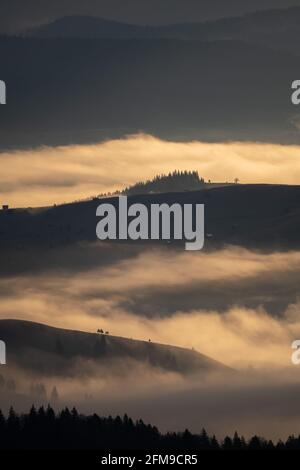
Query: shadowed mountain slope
{"type": "Point", "coordinates": [42, 348]}
{"type": "Point", "coordinates": [86, 90]}
{"type": "Point", "coordinates": [277, 28]}
{"type": "Point", "coordinates": [253, 216]}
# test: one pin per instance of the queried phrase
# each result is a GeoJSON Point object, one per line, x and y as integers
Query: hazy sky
{"type": "Point", "coordinates": [19, 14]}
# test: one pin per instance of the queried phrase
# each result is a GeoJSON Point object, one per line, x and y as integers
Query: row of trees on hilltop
{"type": "Point", "coordinates": [173, 181]}
{"type": "Point", "coordinates": [163, 183]}
{"type": "Point", "coordinates": [44, 429]}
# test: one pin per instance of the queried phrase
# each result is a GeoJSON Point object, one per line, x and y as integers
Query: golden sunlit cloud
{"type": "Point", "coordinates": [62, 174]}
{"type": "Point", "coordinates": [103, 297]}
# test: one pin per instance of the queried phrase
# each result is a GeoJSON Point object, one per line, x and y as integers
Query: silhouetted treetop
{"type": "Point", "coordinates": [175, 181]}
{"type": "Point", "coordinates": [44, 429]}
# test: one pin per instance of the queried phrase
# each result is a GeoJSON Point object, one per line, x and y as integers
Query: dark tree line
{"type": "Point", "coordinates": [175, 181]}
{"type": "Point", "coordinates": [44, 429]}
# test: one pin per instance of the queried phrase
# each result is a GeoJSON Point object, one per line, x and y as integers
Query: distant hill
{"type": "Point", "coordinates": [253, 216]}
{"type": "Point", "coordinates": [86, 27]}
{"type": "Point", "coordinates": [49, 350]}
{"type": "Point", "coordinates": [277, 28]}
{"type": "Point", "coordinates": [81, 79]}
{"type": "Point", "coordinates": [87, 90]}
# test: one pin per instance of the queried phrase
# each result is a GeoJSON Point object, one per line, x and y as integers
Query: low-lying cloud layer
{"type": "Point", "coordinates": [264, 404]}
{"type": "Point", "coordinates": [237, 306]}
{"type": "Point", "coordinates": [53, 175]}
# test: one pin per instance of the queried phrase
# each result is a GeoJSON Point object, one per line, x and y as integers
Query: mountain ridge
{"type": "Point", "coordinates": [238, 214]}
{"type": "Point", "coordinates": [236, 27]}
{"type": "Point", "coordinates": [31, 344]}
{"type": "Point", "coordinates": [109, 77]}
